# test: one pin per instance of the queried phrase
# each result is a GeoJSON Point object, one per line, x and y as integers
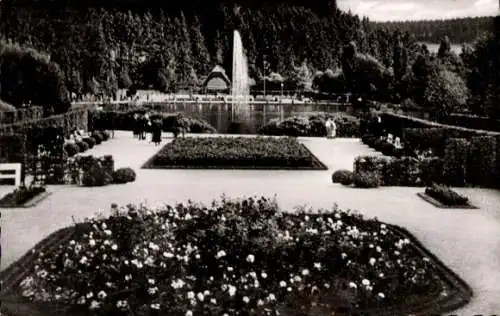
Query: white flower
{"type": "Point", "coordinates": [114, 247]}
{"type": "Point", "coordinates": [381, 295]}
{"type": "Point", "coordinates": [152, 290]}
{"type": "Point", "coordinates": [90, 295]}
{"type": "Point", "coordinates": [221, 254]}
{"type": "Point", "coordinates": [378, 249]}
{"type": "Point", "coordinates": [381, 275]}
{"type": "Point", "coordinates": [92, 243]}
{"type": "Point", "coordinates": [121, 304]}
{"type": "Point", "coordinates": [101, 295]}
{"type": "Point", "coordinates": [230, 269]}
{"type": "Point", "coordinates": [343, 255]}
{"type": "Point", "coordinates": [297, 278]}
{"type": "Point", "coordinates": [263, 275]}
{"type": "Point", "coordinates": [289, 289]}
{"type": "Point", "coordinates": [213, 301]}
{"type": "Point", "coordinates": [107, 232]}
{"type": "Point", "coordinates": [94, 305]}
{"type": "Point", "coordinates": [317, 265]}
{"type": "Point", "coordinates": [282, 284]}
{"type": "Point", "coordinates": [72, 242]}
{"type": "Point", "coordinates": [155, 306]}
{"type": "Point", "coordinates": [271, 297]}
{"type": "Point", "coordinates": [306, 218]}
{"type": "Point", "coordinates": [353, 285]}
{"type": "Point", "coordinates": [260, 302]}
{"type": "Point", "coordinates": [206, 292]}
{"type": "Point", "coordinates": [189, 313]}
{"type": "Point", "coordinates": [250, 258]}
{"type": "Point", "coordinates": [190, 295]}
{"type": "Point", "coordinates": [365, 282]}
{"type": "Point", "coordinates": [246, 299]}
{"type": "Point", "coordinates": [305, 272]}
{"type": "Point", "coordinates": [151, 281]}
{"type": "Point", "coordinates": [81, 300]}
{"type": "Point", "coordinates": [232, 290]}
{"type": "Point", "coordinates": [200, 297]}
{"type": "Point", "coordinates": [383, 226]}
{"type": "Point", "coordinates": [168, 254]}
{"type": "Point", "coordinates": [372, 261]}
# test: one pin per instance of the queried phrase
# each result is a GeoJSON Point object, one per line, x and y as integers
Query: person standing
{"type": "Point", "coordinates": [135, 126]}
{"type": "Point", "coordinates": [157, 125]}
{"type": "Point", "coordinates": [334, 129]}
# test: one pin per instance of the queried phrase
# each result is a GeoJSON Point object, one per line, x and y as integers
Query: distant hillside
{"type": "Point", "coordinates": [464, 30]}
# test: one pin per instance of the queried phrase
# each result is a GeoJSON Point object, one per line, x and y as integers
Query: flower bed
{"type": "Point", "coordinates": [237, 257]}
{"type": "Point", "coordinates": [235, 153]}
{"type": "Point", "coordinates": [443, 197]}
{"type": "Point", "coordinates": [312, 125]}
{"type": "Point", "coordinates": [20, 196]}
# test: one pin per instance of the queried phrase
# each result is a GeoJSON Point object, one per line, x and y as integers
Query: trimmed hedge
{"type": "Point", "coordinates": [82, 146]}
{"type": "Point", "coordinates": [90, 141]}
{"type": "Point", "coordinates": [124, 175]}
{"type": "Point", "coordinates": [312, 125]}
{"type": "Point", "coordinates": [381, 145]}
{"type": "Point", "coordinates": [71, 149]}
{"type": "Point", "coordinates": [367, 180]}
{"type": "Point", "coordinates": [99, 138]}
{"type": "Point", "coordinates": [455, 162]}
{"type": "Point", "coordinates": [342, 176]}
{"type": "Point", "coordinates": [481, 161]}
{"type": "Point", "coordinates": [376, 164]}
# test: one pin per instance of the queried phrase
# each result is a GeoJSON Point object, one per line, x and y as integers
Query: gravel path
{"type": "Point", "coordinates": [468, 241]}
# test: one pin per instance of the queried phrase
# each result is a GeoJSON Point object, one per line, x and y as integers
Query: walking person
{"type": "Point", "coordinates": [135, 126]}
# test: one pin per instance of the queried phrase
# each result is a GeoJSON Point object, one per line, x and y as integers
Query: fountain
{"type": "Point", "coordinates": [240, 81]}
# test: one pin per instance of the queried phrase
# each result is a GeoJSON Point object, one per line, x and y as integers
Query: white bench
{"type": "Point", "coordinates": [16, 167]}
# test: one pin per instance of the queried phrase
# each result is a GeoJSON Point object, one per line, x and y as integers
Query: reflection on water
{"type": "Point", "coordinates": [246, 117]}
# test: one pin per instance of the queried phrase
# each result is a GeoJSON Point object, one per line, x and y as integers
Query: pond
{"type": "Point", "coordinates": [244, 118]}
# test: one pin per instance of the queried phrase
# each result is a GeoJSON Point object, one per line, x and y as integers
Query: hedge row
{"type": "Point", "coordinates": [472, 121]}
{"type": "Point", "coordinates": [313, 125]}
{"type": "Point", "coordinates": [107, 120]}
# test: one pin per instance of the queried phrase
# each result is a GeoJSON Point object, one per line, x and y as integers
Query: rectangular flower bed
{"type": "Point", "coordinates": [235, 153]}
{"type": "Point", "coordinates": [24, 197]}
{"type": "Point", "coordinates": [442, 196]}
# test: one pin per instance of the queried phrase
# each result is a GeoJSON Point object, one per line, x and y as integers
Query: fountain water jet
{"type": "Point", "coordinates": [240, 81]}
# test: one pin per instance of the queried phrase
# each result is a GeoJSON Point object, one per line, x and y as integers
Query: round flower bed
{"type": "Point", "coordinates": [234, 258]}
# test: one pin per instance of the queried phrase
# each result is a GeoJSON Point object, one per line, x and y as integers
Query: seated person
{"type": "Point", "coordinates": [397, 143]}
{"type": "Point", "coordinates": [390, 139]}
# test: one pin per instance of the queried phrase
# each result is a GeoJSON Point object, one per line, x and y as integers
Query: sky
{"type": "Point", "coordinates": [391, 10]}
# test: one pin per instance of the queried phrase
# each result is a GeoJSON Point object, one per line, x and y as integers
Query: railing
{"type": "Point", "coordinates": [11, 167]}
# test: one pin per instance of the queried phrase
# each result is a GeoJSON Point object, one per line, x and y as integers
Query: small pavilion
{"type": "Point", "coordinates": [217, 81]}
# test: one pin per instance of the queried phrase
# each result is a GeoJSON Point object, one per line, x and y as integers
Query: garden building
{"type": "Point", "coordinates": [217, 81]}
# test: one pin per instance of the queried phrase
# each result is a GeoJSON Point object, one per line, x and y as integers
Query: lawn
{"type": "Point", "coordinates": [241, 257]}
{"type": "Point", "coordinates": [235, 153]}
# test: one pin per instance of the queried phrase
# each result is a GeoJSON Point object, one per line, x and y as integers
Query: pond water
{"type": "Point", "coordinates": [244, 118]}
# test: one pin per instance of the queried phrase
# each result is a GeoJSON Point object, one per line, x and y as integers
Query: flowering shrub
{"type": "Point", "coordinates": [89, 170]}
{"type": "Point", "coordinates": [124, 175]}
{"type": "Point", "coordinates": [366, 180]}
{"type": "Point", "coordinates": [236, 257]}
{"type": "Point", "coordinates": [235, 152]}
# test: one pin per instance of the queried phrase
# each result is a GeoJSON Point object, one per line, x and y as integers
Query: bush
{"type": "Point", "coordinates": [71, 149]}
{"type": "Point", "coordinates": [90, 141]}
{"type": "Point", "coordinates": [366, 180]}
{"type": "Point", "coordinates": [481, 161]}
{"type": "Point", "coordinates": [124, 175]}
{"type": "Point", "coordinates": [404, 171]}
{"type": "Point", "coordinates": [106, 135]}
{"type": "Point", "coordinates": [431, 170]}
{"type": "Point", "coordinates": [377, 164]}
{"type": "Point", "coordinates": [445, 195]}
{"type": "Point", "coordinates": [95, 175]}
{"type": "Point", "coordinates": [455, 161]}
{"type": "Point", "coordinates": [20, 196]}
{"type": "Point", "coordinates": [342, 176]}
{"type": "Point", "coordinates": [422, 139]}
{"type": "Point", "coordinates": [82, 146]}
{"type": "Point", "coordinates": [98, 137]}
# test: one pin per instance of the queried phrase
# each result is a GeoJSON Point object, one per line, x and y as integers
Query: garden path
{"type": "Point", "coordinates": [468, 241]}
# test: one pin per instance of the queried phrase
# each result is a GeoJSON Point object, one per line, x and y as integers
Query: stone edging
{"type": "Point", "coordinates": [438, 204]}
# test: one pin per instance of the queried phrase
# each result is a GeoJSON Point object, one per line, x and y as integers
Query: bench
{"type": "Point", "coordinates": [11, 167]}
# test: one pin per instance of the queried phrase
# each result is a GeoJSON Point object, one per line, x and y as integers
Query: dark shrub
{"type": "Point", "coordinates": [83, 146]}
{"type": "Point", "coordinates": [481, 161]}
{"type": "Point", "coordinates": [366, 180]}
{"type": "Point", "coordinates": [71, 149]}
{"type": "Point", "coordinates": [106, 135]}
{"type": "Point", "coordinates": [445, 195]}
{"type": "Point", "coordinates": [455, 161]}
{"type": "Point", "coordinates": [431, 170]}
{"type": "Point", "coordinates": [20, 196]}
{"type": "Point", "coordinates": [342, 176]}
{"type": "Point", "coordinates": [90, 141]}
{"type": "Point", "coordinates": [377, 164]}
{"type": "Point", "coordinates": [124, 175]}
{"type": "Point", "coordinates": [98, 137]}
{"type": "Point", "coordinates": [95, 175]}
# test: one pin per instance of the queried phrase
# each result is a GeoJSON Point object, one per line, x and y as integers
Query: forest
{"type": "Point", "coordinates": [97, 48]}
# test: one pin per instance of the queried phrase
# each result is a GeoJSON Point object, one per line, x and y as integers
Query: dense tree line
{"type": "Point", "coordinates": [99, 50]}
{"type": "Point", "coordinates": [459, 30]}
